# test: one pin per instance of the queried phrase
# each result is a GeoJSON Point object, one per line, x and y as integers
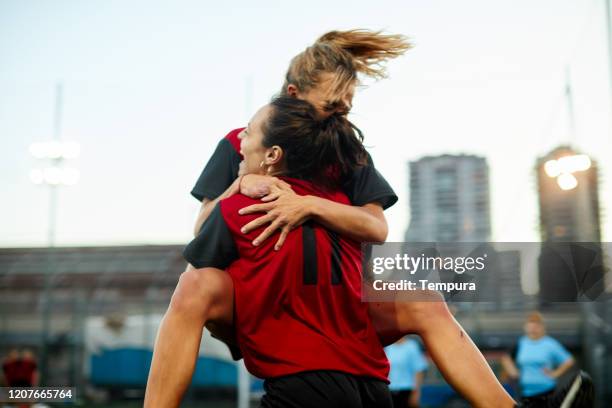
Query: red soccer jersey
{"type": "Point", "coordinates": [297, 309]}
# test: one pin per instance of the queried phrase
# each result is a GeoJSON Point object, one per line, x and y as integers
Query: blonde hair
{"type": "Point", "coordinates": [535, 317]}
{"type": "Point", "coordinates": [344, 54]}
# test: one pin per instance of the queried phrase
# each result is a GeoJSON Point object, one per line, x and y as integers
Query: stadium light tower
{"type": "Point", "coordinates": [54, 174]}
{"type": "Point", "coordinates": [565, 167]}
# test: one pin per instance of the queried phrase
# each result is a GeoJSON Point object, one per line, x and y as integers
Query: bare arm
{"type": "Point", "coordinates": [287, 210]}
{"type": "Point", "coordinates": [251, 185]}
{"type": "Point", "coordinates": [366, 223]}
{"type": "Point", "coordinates": [208, 205]}
{"type": "Point", "coordinates": [562, 369]}
{"type": "Point", "coordinates": [509, 366]}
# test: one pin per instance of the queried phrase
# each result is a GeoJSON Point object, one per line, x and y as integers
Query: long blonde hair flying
{"type": "Point", "coordinates": [345, 54]}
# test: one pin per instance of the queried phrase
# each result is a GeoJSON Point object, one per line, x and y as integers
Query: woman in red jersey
{"type": "Point", "coordinates": [325, 75]}
{"type": "Point", "coordinates": [299, 319]}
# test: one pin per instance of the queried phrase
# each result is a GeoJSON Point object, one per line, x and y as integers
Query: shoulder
{"type": "Point", "coordinates": [229, 210]}
{"type": "Point", "coordinates": [552, 342]}
{"type": "Point", "coordinates": [236, 201]}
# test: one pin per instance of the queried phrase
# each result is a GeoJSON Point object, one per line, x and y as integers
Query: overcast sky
{"type": "Point", "coordinates": [150, 87]}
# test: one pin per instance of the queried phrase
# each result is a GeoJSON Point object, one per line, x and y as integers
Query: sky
{"type": "Point", "coordinates": [149, 88]}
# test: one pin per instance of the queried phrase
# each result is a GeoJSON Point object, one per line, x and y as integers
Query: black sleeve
{"type": "Point", "coordinates": [214, 246]}
{"type": "Point", "coordinates": [219, 173]}
{"type": "Point", "coordinates": [367, 185]}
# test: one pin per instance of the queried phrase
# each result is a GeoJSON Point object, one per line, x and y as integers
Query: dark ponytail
{"type": "Point", "coordinates": [325, 151]}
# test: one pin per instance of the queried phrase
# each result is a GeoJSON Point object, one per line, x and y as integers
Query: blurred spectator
{"type": "Point", "coordinates": [406, 376]}
{"type": "Point", "coordinates": [9, 365]}
{"type": "Point", "coordinates": [537, 361]}
{"type": "Point", "coordinates": [20, 369]}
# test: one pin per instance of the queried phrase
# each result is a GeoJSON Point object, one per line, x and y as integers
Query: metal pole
{"type": "Point", "coordinates": [47, 303]}
{"type": "Point", "coordinates": [609, 28]}
{"type": "Point", "coordinates": [570, 107]}
{"type": "Point", "coordinates": [57, 130]}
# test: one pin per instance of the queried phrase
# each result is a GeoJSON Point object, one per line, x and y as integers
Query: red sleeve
{"type": "Point", "coordinates": [221, 169]}
{"type": "Point", "coordinates": [232, 137]}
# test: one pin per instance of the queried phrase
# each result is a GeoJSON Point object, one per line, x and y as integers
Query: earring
{"type": "Point", "coordinates": [261, 164]}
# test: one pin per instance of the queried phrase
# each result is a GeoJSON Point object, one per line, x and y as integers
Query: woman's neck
{"type": "Point", "coordinates": [275, 171]}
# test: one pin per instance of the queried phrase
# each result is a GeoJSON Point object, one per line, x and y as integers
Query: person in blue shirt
{"type": "Point", "coordinates": [408, 364]}
{"type": "Point", "coordinates": [537, 361]}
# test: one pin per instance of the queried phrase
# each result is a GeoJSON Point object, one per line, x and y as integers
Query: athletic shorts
{"type": "Point", "coordinates": [325, 389]}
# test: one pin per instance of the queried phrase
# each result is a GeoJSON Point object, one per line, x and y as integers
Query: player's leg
{"type": "Point", "coordinates": [452, 350]}
{"type": "Point", "coordinates": [201, 296]}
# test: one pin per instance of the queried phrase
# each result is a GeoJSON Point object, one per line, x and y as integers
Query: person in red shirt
{"type": "Point", "coordinates": [10, 367]}
{"type": "Point", "coordinates": [20, 369]}
{"type": "Point", "coordinates": [298, 311]}
{"type": "Point", "coordinates": [325, 74]}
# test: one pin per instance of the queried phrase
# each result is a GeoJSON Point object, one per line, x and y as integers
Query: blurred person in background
{"type": "Point", "coordinates": [9, 364]}
{"type": "Point", "coordinates": [20, 369]}
{"type": "Point", "coordinates": [538, 361]}
{"type": "Point", "coordinates": [408, 365]}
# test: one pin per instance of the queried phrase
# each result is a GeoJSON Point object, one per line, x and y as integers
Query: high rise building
{"type": "Point", "coordinates": [449, 199]}
{"type": "Point", "coordinates": [568, 197]}
{"type": "Point", "coordinates": [570, 263]}
{"type": "Point", "coordinates": [449, 202]}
